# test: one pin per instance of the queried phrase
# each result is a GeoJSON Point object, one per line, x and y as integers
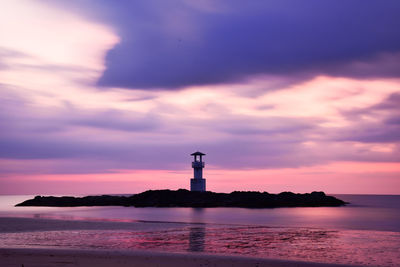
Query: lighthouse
{"type": "Point", "coordinates": [197, 183]}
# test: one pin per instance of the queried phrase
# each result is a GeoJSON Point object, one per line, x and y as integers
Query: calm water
{"type": "Point", "coordinates": [366, 212]}
{"type": "Point", "coordinates": [366, 232]}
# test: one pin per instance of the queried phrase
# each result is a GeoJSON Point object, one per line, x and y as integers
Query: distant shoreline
{"type": "Point", "coordinates": [185, 198]}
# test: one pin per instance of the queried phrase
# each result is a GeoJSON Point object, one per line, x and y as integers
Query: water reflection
{"type": "Point", "coordinates": [197, 239]}
{"type": "Point", "coordinates": [197, 234]}
{"type": "Point", "coordinates": [365, 212]}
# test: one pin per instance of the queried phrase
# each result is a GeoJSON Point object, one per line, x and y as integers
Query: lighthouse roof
{"type": "Point", "coordinates": [197, 153]}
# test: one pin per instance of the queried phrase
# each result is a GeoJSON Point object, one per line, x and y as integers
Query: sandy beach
{"type": "Point", "coordinates": [89, 258]}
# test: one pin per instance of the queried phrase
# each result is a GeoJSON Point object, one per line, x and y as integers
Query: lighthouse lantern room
{"type": "Point", "coordinates": [197, 183]}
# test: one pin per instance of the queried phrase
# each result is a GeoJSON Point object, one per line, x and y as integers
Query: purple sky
{"type": "Point", "coordinates": [113, 96]}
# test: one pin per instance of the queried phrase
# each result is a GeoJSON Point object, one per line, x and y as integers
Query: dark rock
{"type": "Point", "coordinates": [185, 198]}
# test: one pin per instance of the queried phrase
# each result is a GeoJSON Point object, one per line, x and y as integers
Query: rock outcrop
{"type": "Point", "coordinates": [185, 198]}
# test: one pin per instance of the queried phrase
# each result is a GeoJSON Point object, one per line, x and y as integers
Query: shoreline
{"type": "Point", "coordinates": [35, 239]}
{"type": "Point", "coordinates": [121, 258]}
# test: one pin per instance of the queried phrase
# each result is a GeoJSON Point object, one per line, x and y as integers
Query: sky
{"type": "Point", "coordinates": [283, 95]}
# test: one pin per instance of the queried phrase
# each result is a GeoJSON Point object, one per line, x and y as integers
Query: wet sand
{"type": "Point", "coordinates": [21, 224]}
{"type": "Point", "coordinates": [31, 242]}
{"type": "Point", "coordinates": [90, 258]}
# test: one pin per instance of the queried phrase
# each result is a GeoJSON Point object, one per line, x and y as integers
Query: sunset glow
{"type": "Point", "coordinates": [88, 107]}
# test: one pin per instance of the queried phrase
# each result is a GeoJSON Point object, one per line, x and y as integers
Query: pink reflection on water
{"type": "Point", "coordinates": [368, 248]}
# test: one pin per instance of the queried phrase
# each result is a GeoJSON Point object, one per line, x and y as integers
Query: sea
{"type": "Point", "coordinates": [365, 232]}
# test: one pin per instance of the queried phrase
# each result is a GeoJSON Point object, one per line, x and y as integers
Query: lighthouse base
{"type": "Point", "coordinates": [198, 185]}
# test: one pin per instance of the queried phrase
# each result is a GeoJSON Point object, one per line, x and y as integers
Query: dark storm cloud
{"type": "Point", "coordinates": [172, 44]}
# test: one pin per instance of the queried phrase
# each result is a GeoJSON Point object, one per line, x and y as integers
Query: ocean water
{"type": "Point", "coordinates": [365, 232]}
{"type": "Point", "coordinates": [365, 212]}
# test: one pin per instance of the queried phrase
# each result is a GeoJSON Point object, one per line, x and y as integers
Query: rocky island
{"type": "Point", "coordinates": [185, 198]}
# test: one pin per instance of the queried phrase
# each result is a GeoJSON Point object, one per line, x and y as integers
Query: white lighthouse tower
{"type": "Point", "coordinates": [198, 183]}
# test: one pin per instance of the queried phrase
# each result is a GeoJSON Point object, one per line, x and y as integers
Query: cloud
{"type": "Point", "coordinates": [74, 140]}
{"type": "Point", "coordinates": [174, 44]}
{"type": "Point", "coordinates": [6, 54]}
{"type": "Point", "coordinates": [11, 53]}
{"type": "Point", "coordinates": [378, 123]}
{"type": "Point", "coordinates": [392, 102]}
{"type": "Point", "coordinates": [269, 126]}
{"type": "Point", "coordinates": [117, 120]}
{"type": "Point", "coordinates": [158, 130]}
